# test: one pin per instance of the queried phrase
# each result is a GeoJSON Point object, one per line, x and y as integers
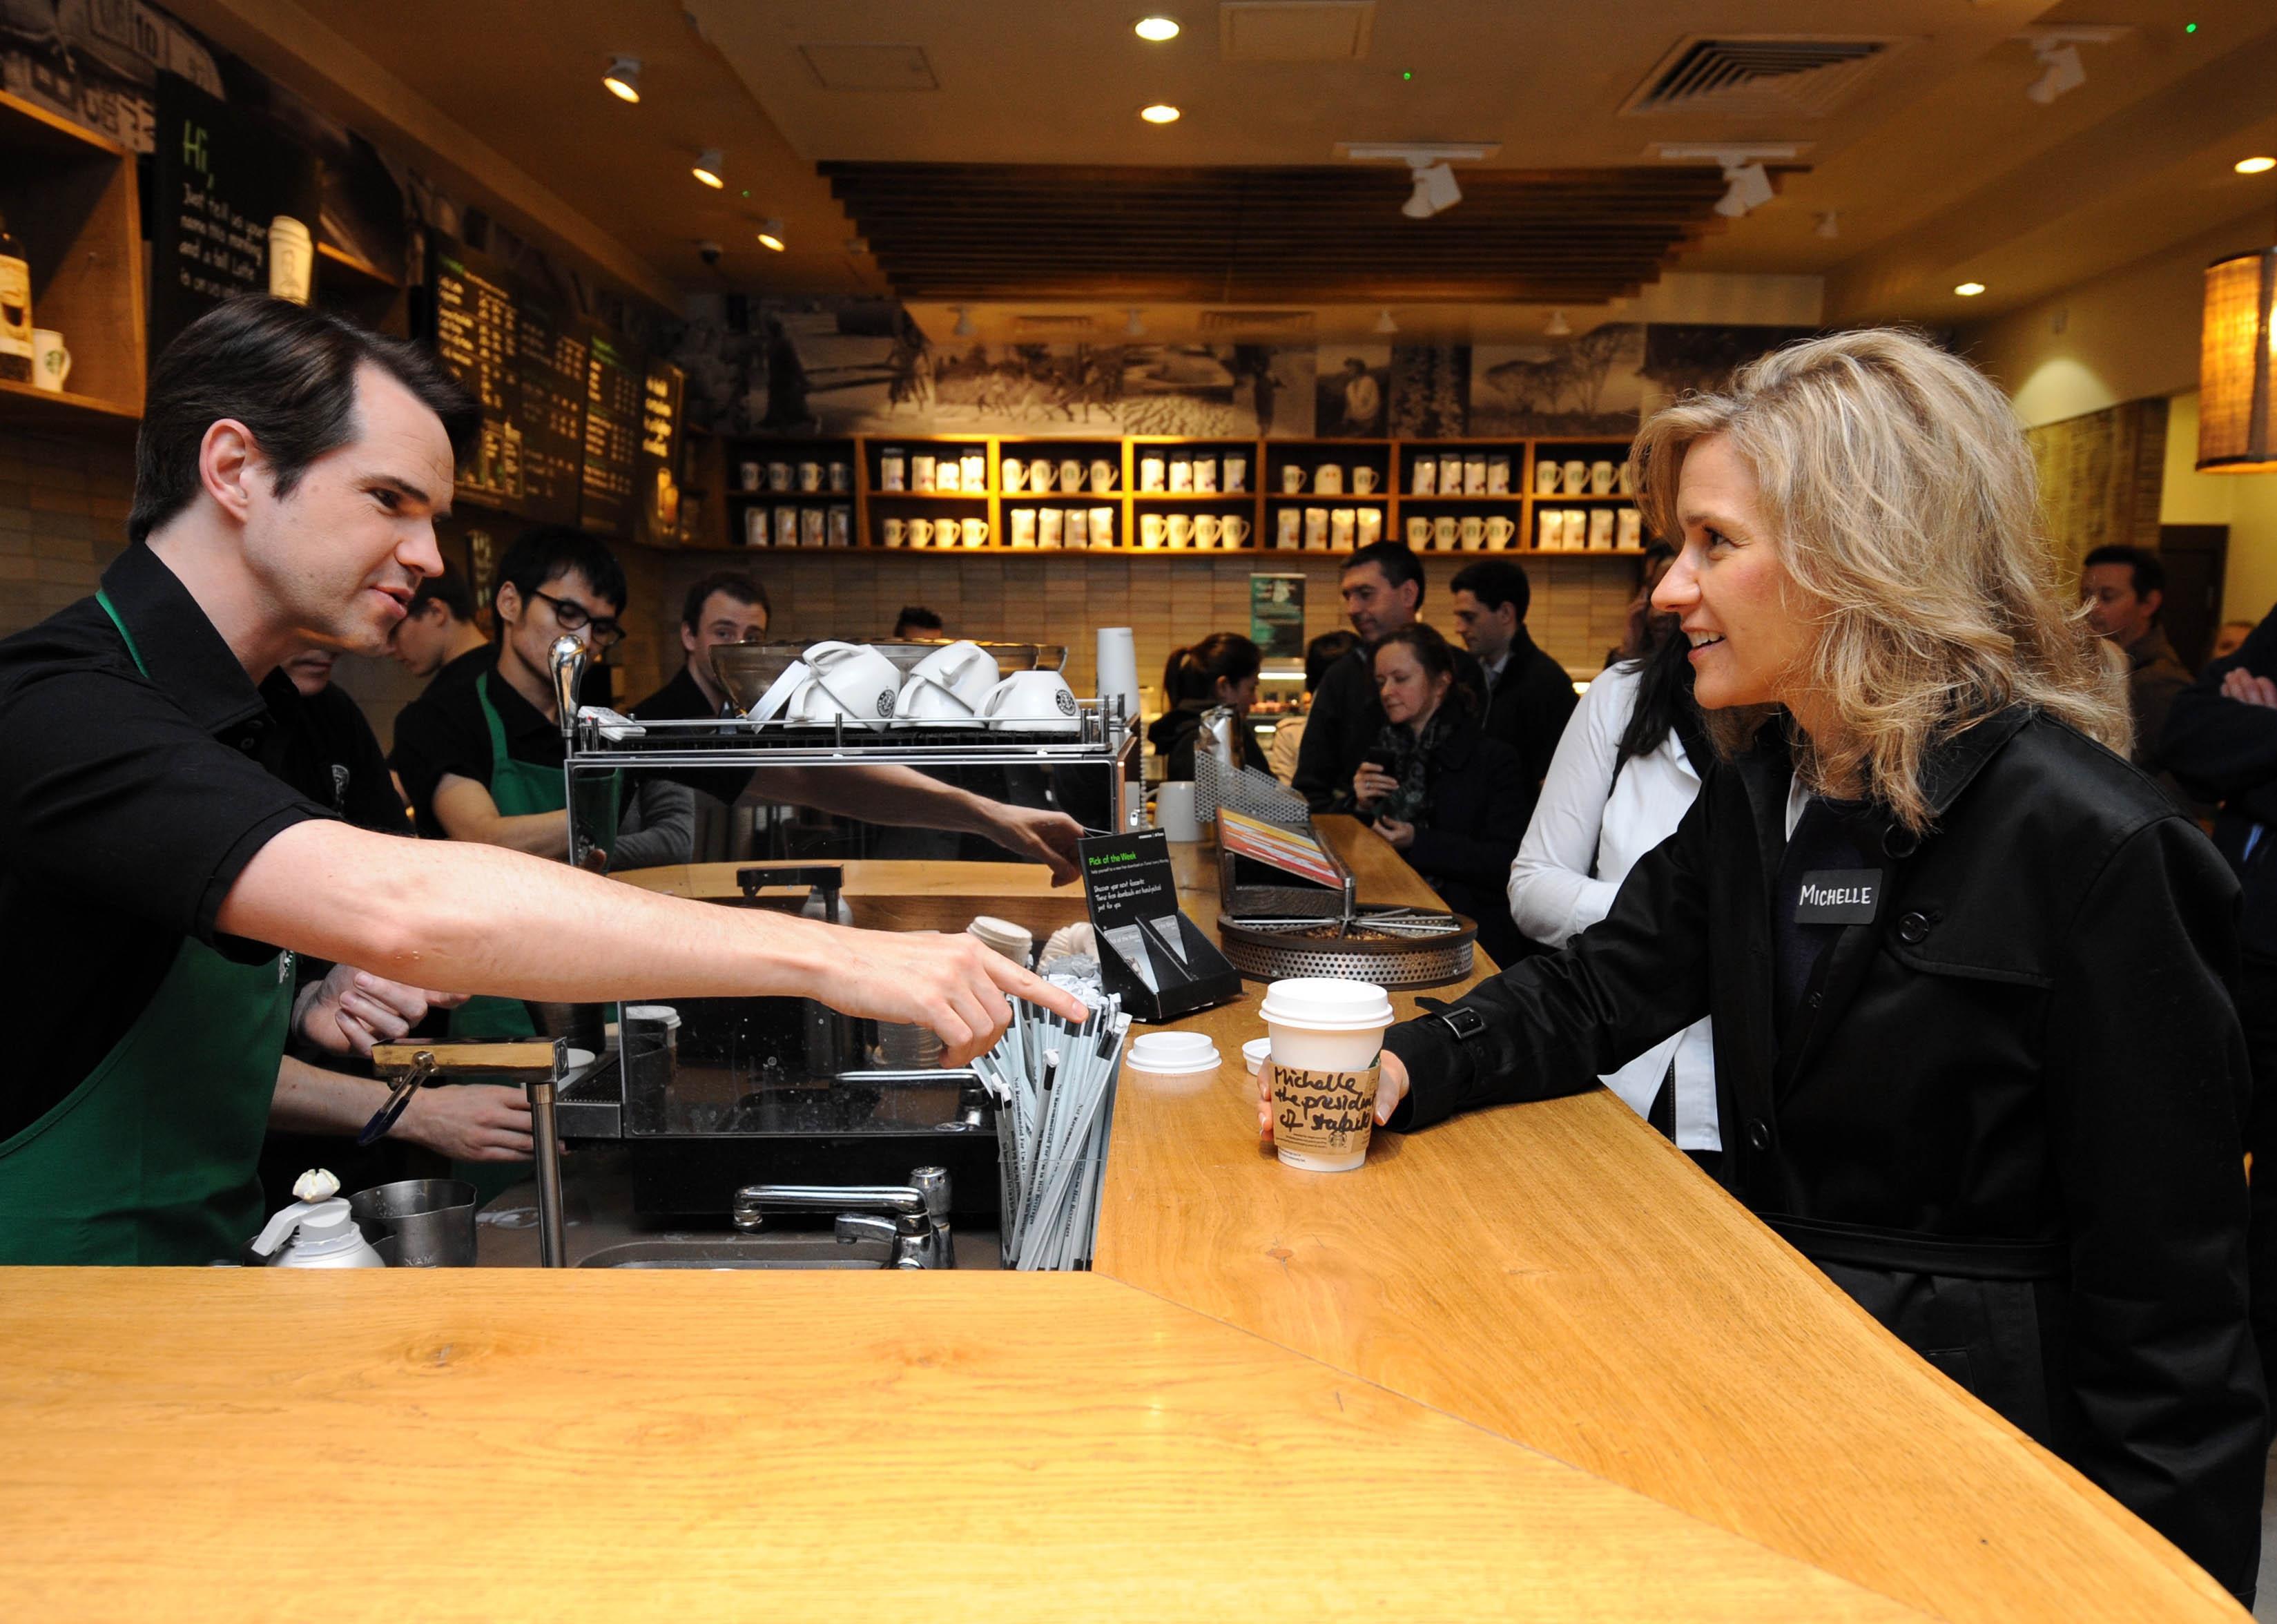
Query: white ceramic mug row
{"type": "Point", "coordinates": [1062, 526]}
{"type": "Point", "coordinates": [1069, 474]}
{"type": "Point", "coordinates": [896, 532]}
{"type": "Point", "coordinates": [798, 527]}
{"type": "Point", "coordinates": [1575, 477]}
{"type": "Point", "coordinates": [805, 477]}
{"type": "Point", "coordinates": [959, 684]}
{"type": "Point", "coordinates": [1471, 533]}
{"type": "Point", "coordinates": [1579, 530]}
{"type": "Point", "coordinates": [1329, 480]}
{"type": "Point", "coordinates": [1178, 472]}
{"type": "Point", "coordinates": [1457, 474]}
{"type": "Point", "coordinates": [922, 470]}
{"type": "Point", "coordinates": [1318, 530]}
{"type": "Point", "coordinates": [1202, 530]}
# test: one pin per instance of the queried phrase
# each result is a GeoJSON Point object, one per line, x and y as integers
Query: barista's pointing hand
{"type": "Point", "coordinates": [1045, 837]}
{"type": "Point", "coordinates": [952, 984]}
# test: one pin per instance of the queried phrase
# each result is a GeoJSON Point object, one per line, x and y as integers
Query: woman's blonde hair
{"type": "Point", "coordinates": [1903, 502]}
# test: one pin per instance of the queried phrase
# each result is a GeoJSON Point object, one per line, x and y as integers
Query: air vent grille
{"type": "Point", "coordinates": [1257, 321]}
{"type": "Point", "coordinates": [1063, 323]}
{"type": "Point", "coordinates": [1294, 30]}
{"type": "Point", "coordinates": [1762, 75]}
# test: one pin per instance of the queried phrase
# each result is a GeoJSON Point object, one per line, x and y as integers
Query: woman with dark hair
{"type": "Point", "coordinates": [1626, 770]}
{"type": "Point", "coordinates": [1453, 801]}
{"type": "Point", "coordinates": [1221, 669]}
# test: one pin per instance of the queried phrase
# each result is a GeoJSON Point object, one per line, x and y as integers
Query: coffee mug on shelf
{"type": "Point", "coordinates": [1418, 531]}
{"type": "Point", "coordinates": [966, 671]}
{"type": "Point", "coordinates": [921, 472]}
{"type": "Point", "coordinates": [811, 527]}
{"type": "Point", "coordinates": [1032, 702]}
{"type": "Point", "coordinates": [749, 474]}
{"type": "Point", "coordinates": [947, 474]}
{"type": "Point", "coordinates": [1016, 476]}
{"type": "Point", "coordinates": [1043, 474]}
{"type": "Point", "coordinates": [851, 681]}
{"type": "Point", "coordinates": [1550, 530]}
{"type": "Point", "coordinates": [1473, 532]}
{"type": "Point", "coordinates": [1102, 527]}
{"type": "Point", "coordinates": [1104, 473]}
{"type": "Point", "coordinates": [755, 527]}
{"type": "Point", "coordinates": [1023, 527]}
{"type": "Point", "coordinates": [1207, 527]}
{"type": "Point", "coordinates": [1369, 528]}
{"type": "Point", "coordinates": [1423, 479]}
{"type": "Point", "coordinates": [1601, 478]}
{"type": "Point", "coordinates": [1151, 528]}
{"type": "Point", "coordinates": [921, 532]}
{"type": "Point", "coordinates": [786, 527]}
{"type": "Point", "coordinates": [922, 700]}
{"type": "Point", "coordinates": [1151, 468]}
{"type": "Point", "coordinates": [795, 675]}
{"type": "Point", "coordinates": [976, 471]}
{"type": "Point", "coordinates": [1601, 529]}
{"type": "Point", "coordinates": [1235, 530]}
{"type": "Point", "coordinates": [896, 531]}
{"type": "Point", "coordinates": [893, 469]}
{"type": "Point", "coordinates": [809, 477]}
{"type": "Point", "coordinates": [976, 532]}
{"type": "Point", "coordinates": [1182, 474]}
{"type": "Point", "coordinates": [1205, 475]}
{"type": "Point", "coordinates": [1446, 530]}
{"type": "Point", "coordinates": [1497, 476]}
{"type": "Point", "coordinates": [1625, 478]}
{"type": "Point", "coordinates": [1078, 528]}
{"type": "Point", "coordinates": [838, 478]}
{"type": "Point", "coordinates": [1292, 480]}
{"type": "Point", "coordinates": [1501, 530]}
{"type": "Point", "coordinates": [841, 525]}
{"type": "Point", "coordinates": [1049, 527]}
{"type": "Point", "coordinates": [1577, 477]}
{"type": "Point", "coordinates": [1630, 535]}
{"type": "Point", "coordinates": [1577, 529]}
{"type": "Point", "coordinates": [1236, 473]}
{"type": "Point", "coordinates": [1329, 480]}
{"type": "Point", "coordinates": [1363, 481]}
{"type": "Point", "coordinates": [1180, 529]}
{"type": "Point", "coordinates": [1316, 529]}
{"type": "Point", "coordinates": [1288, 528]}
{"type": "Point", "coordinates": [1546, 475]}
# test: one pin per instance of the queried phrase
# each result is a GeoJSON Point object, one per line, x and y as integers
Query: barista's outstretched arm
{"type": "Point", "coordinates": [905, 798]}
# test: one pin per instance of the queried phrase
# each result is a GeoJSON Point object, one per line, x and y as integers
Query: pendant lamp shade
{"type": "Point", "coordinates": [2237, 347]}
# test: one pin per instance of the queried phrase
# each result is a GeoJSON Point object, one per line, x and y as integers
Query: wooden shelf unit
{"type": "Point", "coordinates": [1391, 460]}
{"type": "Point", "coordinates": [69, 196]}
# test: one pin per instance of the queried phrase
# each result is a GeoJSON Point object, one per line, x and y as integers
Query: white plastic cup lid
{"type": "Point", "coordinates": [1171, 1052]}
{"type": "Point", "coordinates": [996, 932]}
{"type": "Point", "coordinates": [662, 1014]}
{"type": "Point", "coordinates": [1324, 1003]}
{"type": "Point", "coordinates": [1256, 1052]}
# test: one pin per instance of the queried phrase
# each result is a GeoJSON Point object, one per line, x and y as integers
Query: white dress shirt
{"type": "Point", "coordinates": [1587, 814]}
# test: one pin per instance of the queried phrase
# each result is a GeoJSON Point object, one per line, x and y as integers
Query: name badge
{"type": "Point", "coordinates": [1839, 896]}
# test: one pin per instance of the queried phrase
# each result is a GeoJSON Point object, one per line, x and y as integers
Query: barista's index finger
{"type": "Point", "coordinates": [1028, 984]}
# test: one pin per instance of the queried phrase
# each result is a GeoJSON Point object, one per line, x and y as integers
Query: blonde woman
{"type": "Point", "coordinates": [1974, 1053]}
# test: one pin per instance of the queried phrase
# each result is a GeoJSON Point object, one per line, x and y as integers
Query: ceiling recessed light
{"type": "Point", "coordinates": [770, 235]}
{"type": "Point", "coordinates": [2256, 166]}
{"type": "Point", "coordinates": [1156, 30]}
{"type": "Point", "coordinates": [1970, 290]}
{"type": "Point", "coordinates": [1161, 112]}
{"type": "Point", "coordinates": [709, 162]}
{"type": "Point", "coordinates": [624, 77]}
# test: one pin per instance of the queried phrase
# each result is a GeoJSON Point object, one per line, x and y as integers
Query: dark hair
{"type": "Point", "coordinates": [448, 589]}
{"type": "Point", "coordinates": [1495, 582]}
{"type": "Point", "coordinates": [1664, 698]}
{"type": "Point", "coordinates": [918, 616]}
{"type": "Point", "coordinates": [1398, 561]}
{"type": "Point", "coordinates": [289, 374]}
{"type": "Point", "coordinates": [2149, 576]}
{"type": "Point", "coordinates": [1435, 656]}
{"type": "Point", "coordinates": [1323, 651]}
{"type": "Point", "coordinates": [552, 551]}
{"type": "Point", "coordinates": [1190, 675]}
{"type": "Point", "coordinates": [735, 583]}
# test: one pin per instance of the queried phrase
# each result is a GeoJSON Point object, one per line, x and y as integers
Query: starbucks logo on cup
{"type": "Point", "coordinates": [1065, 701]}
{"type": "Point", "coordinates": [886, 704]}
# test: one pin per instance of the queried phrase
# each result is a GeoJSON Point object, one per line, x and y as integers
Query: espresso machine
{"type": "Point", "coordinates": [708, 1096]}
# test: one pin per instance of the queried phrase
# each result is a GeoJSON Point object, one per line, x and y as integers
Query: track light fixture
{"type": "Point", "coordinates": [711, 164]}
{"type": "Point", "coordinates": [624, 77]}
{"type": "Point", "coordinates": [1830, 224]}
{"type": "Point", "coordinates": [1384, 323]}
{"type": "Point", "coordinates": [2056, 49]}
{"type": "Point", "coordinates": [965, 326]}
{"type": "Point", "coordinates": [1557, 326]}
{"type": "Point", "coordinates": [1132, 326]}
{"type": "Point", "coordinates": [770, 235]}
{"type": "Point", "coordinates": [1435, 190]}
{"type": "Point", "coordinates": [1747, 184]}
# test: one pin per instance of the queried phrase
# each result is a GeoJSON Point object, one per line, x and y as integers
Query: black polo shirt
{"type": "Point", "coordinates": [678, 700]}
{"type": "Point", "coordinates": [331, 746]}
{"type": "Point", "coordinates": [443, 731]}
{"type": "Point", "coordinates": [129, 807]}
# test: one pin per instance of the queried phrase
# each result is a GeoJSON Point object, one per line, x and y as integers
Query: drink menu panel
{"type": "Point", "coordinates": [524, 360]}
{"type": "Point", "coordinates": [616, 375]}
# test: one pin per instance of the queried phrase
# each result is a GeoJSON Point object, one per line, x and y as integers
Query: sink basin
{"type": "Point", "coordinates": [790, 1251]}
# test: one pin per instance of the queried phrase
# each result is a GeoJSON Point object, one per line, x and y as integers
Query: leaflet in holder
{"type": "Point", "coordinates": [1150, 953]}
{"type": "Point", "coordinates": [1264, 869]}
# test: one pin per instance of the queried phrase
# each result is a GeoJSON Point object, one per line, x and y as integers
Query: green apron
{"type": "Point", "coordinates": [153, 1158]}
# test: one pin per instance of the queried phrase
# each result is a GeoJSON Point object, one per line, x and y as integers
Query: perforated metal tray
{"type": "Point", "coordinates": [1427, 949]}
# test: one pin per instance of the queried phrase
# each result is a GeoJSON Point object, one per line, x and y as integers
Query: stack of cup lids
{"type": "Point", "coordinates": [1015, 942]}
{"type": "Point", "coordinates": [1173, 1054]}
{"type": "Point", "coordinates": [1255, 1053]}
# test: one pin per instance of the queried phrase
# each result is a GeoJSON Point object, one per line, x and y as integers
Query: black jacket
{"type": "Point", "coordinates": [1480, 805]}
{"type": "Point", "coordinates": [1531, 703]}
{"type": "Point", "coordinates": [2225, 751]}
{"type": "Point", "coordinates": [2008, 1122]}
{"type": "Point", "coordinates": [1345, 717]}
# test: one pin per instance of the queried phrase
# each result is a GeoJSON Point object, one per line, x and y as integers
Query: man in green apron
{"type": "Point", "coordinates": [155, 871]}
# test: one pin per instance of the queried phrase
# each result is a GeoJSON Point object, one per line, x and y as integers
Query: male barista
{"type": "Point", "coordinates": [1528, 697]}
{"type": "Point", "coordinates": [288, 476]}
{"type": "Point", "coordinates": [722, 609]}
{"type": "Point", "coordinates": [437, 640]}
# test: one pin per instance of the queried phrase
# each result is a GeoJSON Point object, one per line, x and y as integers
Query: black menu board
{"type": "Point", "coordinates": [616, 380]}
{"type": "Point", "coordinates": [525, 362]}
{"type": "Point", "coordinates": [659, 463]}
{"type": "Point", "coordinates": [231, 195]}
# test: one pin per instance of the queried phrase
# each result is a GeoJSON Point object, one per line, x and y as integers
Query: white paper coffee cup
{"type": "Point", "coordinates": [1327, 1039]}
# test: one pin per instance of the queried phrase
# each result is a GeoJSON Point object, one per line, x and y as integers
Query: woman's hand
{"type": "Point", "coordinates": [468, 1122]}
{"type": "Point", "coordinates": [1372, 784]}
{"type": "Point", "coordinates": [2239, 684]}
{"type": "Point", "coordinates": [1402, 836]}
{"type": "Point", "coordinates": [1390, 1089]}
{"type": "Point", "coordinates": [351, 1009]}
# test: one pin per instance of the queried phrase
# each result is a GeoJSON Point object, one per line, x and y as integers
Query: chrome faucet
{"type": "Point", "coordinates": [913, 1217]}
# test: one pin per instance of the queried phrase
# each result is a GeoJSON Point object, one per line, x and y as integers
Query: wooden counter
{"type": "Point", "coordinates": [1528, 1364]}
